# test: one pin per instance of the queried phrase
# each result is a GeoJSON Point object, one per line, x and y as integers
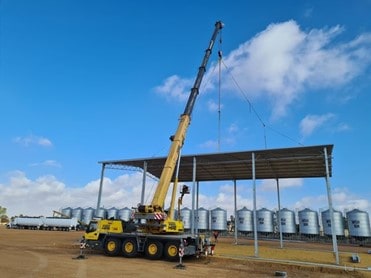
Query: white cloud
{"type": "Point", "coordinates": [209, 145]}
{"type": "Point", "coordinates": [47, 163]}
{"type": "Point", "coordinates": [212, 106]}
{"type": "Point", "coordinates": [228, 139]}
{"type": "Point", "coordinates": [342, 200]}
{"type": "Point", "coordinates": [271, 185]}
{"type": "Point", "coordinates": [312, 122]}
{"type": "Point", "coordinates": [29, 140]}
{"type": "Point", "coordinates": [233, 128]}
{"type": "Point", "coordinates": [283, 60]}
{"type": "Point", "coordinates": [308, 12]}
{"type": "Point", "coordinates": [22, 195]}
{"type": "Point", "coordinates": [175, 87]}
{"type": "Point", "coordinates": [342, 127]}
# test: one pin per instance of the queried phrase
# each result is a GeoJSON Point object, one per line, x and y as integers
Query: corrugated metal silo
{"type": "Point", "coordinates": [112, 213]}
{"type": "Point", "coordinates": [67, 212]}
{"type": "Point", "coordinates": [101, 213]}
{"type": "Point", "coordinates": [264, 220]}
{"type": "Point", "coordinates": [186, 216]}
{"type": "Point", "coordinates": [308, 222]}
{"type": "Point", "coordinates": [287, 218]}
{"type": "Point", "coordinates": [358, 223]}
{"type": "Point", "coordinates": [124, 214]}
{"type": "Point", "coordinates": [338, 222]}
{"type": "Point", "coordinates": [202, 221]}
{"type": "Point", "coordinates": [245, 220]}
{"type": "Point", "coordinates": [77, 213]}
{"type": "Point", "coordinates": [218, 219]}
{"type": "Point", "coordinates": [88, 215]}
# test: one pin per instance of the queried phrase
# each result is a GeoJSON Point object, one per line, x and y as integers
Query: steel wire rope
{"type": "Point", "coordinates": [252, 108]}
{"type": "Point", "coordinates": [220, 56]}
{"type": "Point", "coordinates": [208, 80]}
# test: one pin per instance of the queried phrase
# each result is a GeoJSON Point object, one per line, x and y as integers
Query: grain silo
{"type": "Point", "coordinates": [264, 220]}
{"type": "Point", "coordinates": [66, 212]}
{"type": "Point", "coordinates": [202, 219]}
{"type": "Point", "coordinates": [112, 213]}
{"type": "Point", "coordinates": [88, 215]}
{"type": "Point", "coordinates": [308, 222]}
{"type": "Point", "coordinates": [124, 214]}
{"type": "Point", "coordinates": [287, 220]}
{"type": "Point", "coordinates": [245, 220]}
{"type": "Point", "coordinates": [101, 213]}
{"type": "Point", "coordinates": [186, 217]}
{"type": "Point", "coordinates": [77, 213]}
{"type": "Point", "coordinates": [218, 219]}
{"type": "Point", "coordinates": [338, 222]}
{"type": "Point", "coordinates": [358, 223]}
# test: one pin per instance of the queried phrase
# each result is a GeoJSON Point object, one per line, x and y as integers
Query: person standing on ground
{"type": "Point", "coordinates": [216, 234]}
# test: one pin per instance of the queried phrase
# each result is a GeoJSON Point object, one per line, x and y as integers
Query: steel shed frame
{"type": "Point", "coordinates": [284, 163]}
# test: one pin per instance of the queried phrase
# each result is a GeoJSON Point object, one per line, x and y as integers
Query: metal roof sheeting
{"type": "Point", "coordinates": [298, 162]}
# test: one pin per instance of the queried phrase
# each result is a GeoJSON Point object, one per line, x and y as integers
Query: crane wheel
{"type": "Point", "coordinates": [129, 248]}
{"type": "Point", "coordinates": [153, 249]}
{"type": "Point", "coordinates": [171, 250]}
{"type": "Point", "coordinates": [112, 247]}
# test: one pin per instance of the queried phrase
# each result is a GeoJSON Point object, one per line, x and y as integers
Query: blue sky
{"type": "Point", "coordinates": [86, 81]}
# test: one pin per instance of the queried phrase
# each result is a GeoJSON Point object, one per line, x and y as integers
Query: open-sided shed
{"type": "Point", "coordinates": [296, 162]}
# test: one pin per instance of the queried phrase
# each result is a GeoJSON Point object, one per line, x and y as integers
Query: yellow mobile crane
{"type": "Point", "coordinates": [153, 232]}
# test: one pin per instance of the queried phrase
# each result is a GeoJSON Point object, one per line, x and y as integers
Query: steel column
{"type": "Point", "coordinates": [235, 210]}
{"type": "Point", "coordinates": [279, 212]}
{"type": "Point", "coordinates": [256, 248]}
{"type": "Point", "coordinates": [100, 186]}
{"type": "Point", "coordinates": [197, 206]}
{"type": "Point", "coordinates": [331, 210]}
{"type": "Point", "coordinates": [193, 197]}
{"type": "Point", "coordinates": [143, 182]}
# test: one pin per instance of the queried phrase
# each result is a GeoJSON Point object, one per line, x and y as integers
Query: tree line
{"type": "Point", "coordinates": [3, 217]}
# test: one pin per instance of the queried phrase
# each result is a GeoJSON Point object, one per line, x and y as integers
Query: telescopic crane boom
{"type": "Point", "coordinates": [155, 210]}
{"type": "Point", "coordinates": [152, 233]}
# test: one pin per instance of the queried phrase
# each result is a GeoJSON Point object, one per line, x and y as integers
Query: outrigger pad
{"type": "Point", "coordinates": [80, 257]}
{"type": "Point", "coordinates": [180, 266]}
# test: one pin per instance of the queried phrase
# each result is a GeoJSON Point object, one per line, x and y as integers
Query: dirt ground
{"type": "Point", "coordinates": [29, 253]}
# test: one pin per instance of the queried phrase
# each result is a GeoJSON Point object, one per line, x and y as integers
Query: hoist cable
{"type": "Point", "coordinates": [252, 108]}
{"type": "Point", "coordinates": [220, 56]}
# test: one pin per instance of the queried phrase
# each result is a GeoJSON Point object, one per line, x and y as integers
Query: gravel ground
{"type": "Point", "coordinates": [32, 253]}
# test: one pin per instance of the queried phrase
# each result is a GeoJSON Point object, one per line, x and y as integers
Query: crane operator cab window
{"type": "Point", "coordinates": [93, 226]}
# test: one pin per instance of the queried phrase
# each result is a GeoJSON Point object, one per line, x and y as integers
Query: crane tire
{"type": "Point", "coordinates": [171, 250]}
{"type": "Point", "coordinates": [129, 248]}
{"type": "Point", "coordinates": [154, 249]}
{"type": "Point", "coordinates": [112, 246]}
